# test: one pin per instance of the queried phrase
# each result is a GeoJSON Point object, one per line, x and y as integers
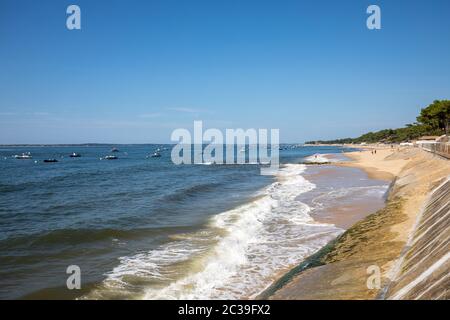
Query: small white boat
{"type": "Point", "coordinates": [23, 156]}
{"type": "Point", "coordinates": [111, 158]}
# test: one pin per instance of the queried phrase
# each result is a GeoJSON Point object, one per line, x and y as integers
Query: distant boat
{"type": "Point", "coordinates": [50, 160]}
{"type": "Point", "coordinates": [75, 155]}
{"type": "Point", "coordinates": [23, 156]}
{"type": "Point", "coordinates": [114, 150]}
{"type": "Point", "coordinates": [156, 155]}
{"type": "Point", "coordinates": [111, 158]}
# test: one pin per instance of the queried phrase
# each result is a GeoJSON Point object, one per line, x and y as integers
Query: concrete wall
{"type": "Point", "coordinates": [423, 269]}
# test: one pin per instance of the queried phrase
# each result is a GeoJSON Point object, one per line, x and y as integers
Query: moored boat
{"type": "Point", "coordinates": [50, 160]}
{"type": "Point", "coordinates": [23, 156]}
{"type": "Point", "coordinates": [110, 158]}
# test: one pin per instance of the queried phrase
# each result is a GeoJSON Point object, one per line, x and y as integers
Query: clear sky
{"type": "Point", "coordinates": [139, 69]}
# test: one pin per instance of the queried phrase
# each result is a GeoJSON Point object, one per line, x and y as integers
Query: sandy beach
{"type": "Point", "coordinates": [380, 165]}
{"type": "Point", "coordinates": [339, 271]}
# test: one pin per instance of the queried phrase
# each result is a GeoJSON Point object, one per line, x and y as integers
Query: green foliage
{"type": "Point", "coordinates": [433, 120]}
{"type": "Point", "coordinates": [436, 116]}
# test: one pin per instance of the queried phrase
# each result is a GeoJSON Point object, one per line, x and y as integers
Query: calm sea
{"type": "Point", "coordinates": [144, 228]}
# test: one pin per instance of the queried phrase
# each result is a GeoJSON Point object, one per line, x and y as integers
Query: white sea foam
{"type": "Point", "coordinates": [320, 158]}
{"type": "Point", "coordinates": [255, 241]}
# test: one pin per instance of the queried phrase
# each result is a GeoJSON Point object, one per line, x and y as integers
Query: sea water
{"type": "Point", "coordinates": [144, 228]}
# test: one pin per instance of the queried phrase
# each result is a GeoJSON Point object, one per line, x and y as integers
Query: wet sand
{"type": "Point", "coordinates": [343, 195]}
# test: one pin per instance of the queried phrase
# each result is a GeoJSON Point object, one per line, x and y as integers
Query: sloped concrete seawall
{"type": "Point", "coordinates": [422, 272]}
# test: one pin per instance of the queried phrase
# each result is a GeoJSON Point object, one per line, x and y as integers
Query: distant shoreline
{"type": "Point", "coordinates": [96, 144]}
{"type": "Point", "coordinates": [81, 144]}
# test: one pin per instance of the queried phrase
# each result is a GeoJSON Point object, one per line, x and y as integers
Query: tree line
{"type": "Point", "coordinates": [433, 120]}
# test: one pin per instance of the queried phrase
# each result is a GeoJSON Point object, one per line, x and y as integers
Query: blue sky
{"type": "Point", "coordinates": [139, 69]}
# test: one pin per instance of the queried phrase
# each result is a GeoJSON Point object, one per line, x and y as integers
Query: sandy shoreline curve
{"type": "Point", "coordinates": [340, 270]}
{"type": "Point", "coordinates": [381, 165]}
